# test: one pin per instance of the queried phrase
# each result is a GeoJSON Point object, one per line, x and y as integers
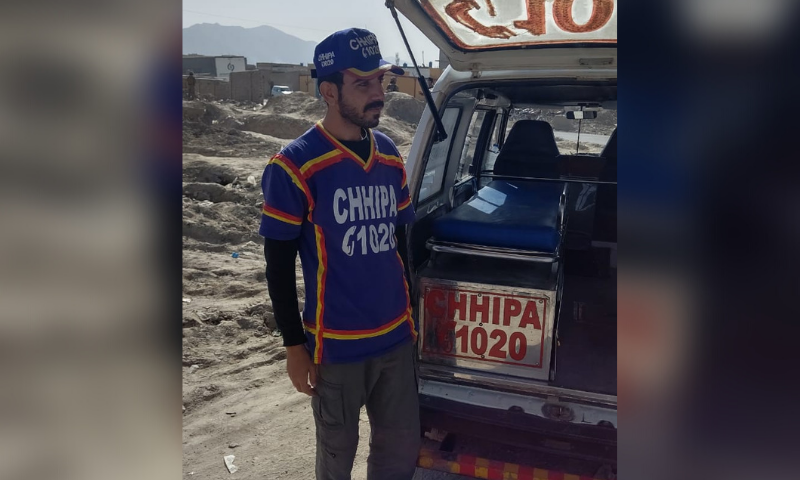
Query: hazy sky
{"type": "Point", "coordinates": [314, 20]}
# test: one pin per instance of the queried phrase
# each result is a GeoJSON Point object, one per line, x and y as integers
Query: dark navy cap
{"type": "Point", "coordinates": [355, 51]}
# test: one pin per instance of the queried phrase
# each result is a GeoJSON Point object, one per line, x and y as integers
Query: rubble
{"type": "Point", "coordinates": [403, 107]}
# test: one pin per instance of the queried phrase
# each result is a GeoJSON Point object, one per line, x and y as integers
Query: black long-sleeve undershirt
{"type": "Point", "coordinates": [282, 284]}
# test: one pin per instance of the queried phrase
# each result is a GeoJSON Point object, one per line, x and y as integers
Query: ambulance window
{"type": "Point", "coordinates": [437, 160]}
{"type": "Point", "coordinates": [493, 147]}
{"type": "Point", "coordinates": [469, 145]}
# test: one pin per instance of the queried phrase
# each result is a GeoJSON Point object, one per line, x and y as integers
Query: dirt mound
{"type": "Point", "coordinates": [227, 115]}
{"type": "Point", "coordinates": [401, 133]}
{"type": "Point", "coordinates": [224, 171]}
{"type": "Point", "coordinates": [277, 125]}
{"type": "Point", "coordinates": [193, 111]}
{"type": "Point", "coordinates": [220, 141]}
{"type": "Point", "coordinates": [224, 129]}
{"type": "Point", "coordinates": [213, 192]}
{"type": "Point", "coordinates": [207, 172]}
{"type": "Point", "coordinates": [220, 223]}
{"type": "Point", "coordinates": [569, 146]}
{"type": "Point", "coordinates": [263, 312]}
{"type": "Point", "coordinates": [214, 129]}
{"type": "Point", "coordinates": [216, 112]}
{"type": "Point", "coordinates": [403, 107]}
{"type": "Point", "coordinates": [239, 105]}
{"type": "Point", "coordinates": [298, 103]}
{"type": "Point", "coordinates": [208, 112]}
{"type": "Point", "coordinates": [201, 395]}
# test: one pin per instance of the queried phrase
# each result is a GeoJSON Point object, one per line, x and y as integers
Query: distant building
{"type": "Point", "coordinates": [218, 66]}
{"type": "Point", "coordinates": [283, 74]}
{"type": "Point", "coordinates": [286, 67]}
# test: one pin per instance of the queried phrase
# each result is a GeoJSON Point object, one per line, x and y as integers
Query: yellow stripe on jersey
{"type": "Point", "coordinates": [279, 162]}
{"type": "Point", "coordinates": [322, 258]}
{"type": "Point", "coordinates": [319, 159]}
{"type": "Point", "coordinates": [359, 334]}
{"type": "Point", "coordinates": [279, 215]}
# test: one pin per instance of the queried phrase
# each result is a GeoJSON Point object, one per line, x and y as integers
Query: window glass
{"type": "Point", "coordinates": [494, 144]}
{"type": "Point", "coordinates": [433, 179]}
{"type": "Point", "coordinates": [468, 153]}
{"type": "Point", "coordinates": [594, 133]}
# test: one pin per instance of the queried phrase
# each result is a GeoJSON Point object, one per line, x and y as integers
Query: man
{"type": "Point", "coordinates": [190, 82]}
{"type": "Point", "coordinates": [392, 87]}
{"type": "Point", "coordinates": [338, 194]}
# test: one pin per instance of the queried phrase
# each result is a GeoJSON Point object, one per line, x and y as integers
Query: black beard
{"type": "Point", "coordinates": [360, 119]}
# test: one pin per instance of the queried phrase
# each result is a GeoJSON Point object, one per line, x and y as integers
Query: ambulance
{"type": "Point", "coordinates": [513, 176]}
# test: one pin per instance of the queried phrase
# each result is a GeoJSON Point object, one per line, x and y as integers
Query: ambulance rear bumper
{"type": "Point", "coordinates": [579, 429]}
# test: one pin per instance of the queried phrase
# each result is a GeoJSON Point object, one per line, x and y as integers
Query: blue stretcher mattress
{"type": "Point", "coordinates": [506, 214]}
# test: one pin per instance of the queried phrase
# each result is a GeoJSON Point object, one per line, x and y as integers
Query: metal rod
{"type": "Point", "coordinates": [441, 132]}
{"type": "Point", "coordinates": [501, 253]}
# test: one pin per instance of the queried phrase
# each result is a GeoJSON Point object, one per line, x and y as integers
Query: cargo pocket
{"type": "Point", "coordinates": [328, 405]}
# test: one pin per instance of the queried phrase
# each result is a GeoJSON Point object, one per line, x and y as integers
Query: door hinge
{"type": "Point", "coordinates": [476, 72]}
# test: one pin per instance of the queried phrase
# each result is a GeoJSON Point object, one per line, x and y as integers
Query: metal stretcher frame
{"type": "Point", "coordinates": [492, 252]}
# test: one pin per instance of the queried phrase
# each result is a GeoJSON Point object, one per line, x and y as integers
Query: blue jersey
{"type": "Point", "coordinates": [345, 213]}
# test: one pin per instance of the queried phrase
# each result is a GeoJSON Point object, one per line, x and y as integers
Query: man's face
{"type": "Point", "coordinates": [361, 101]}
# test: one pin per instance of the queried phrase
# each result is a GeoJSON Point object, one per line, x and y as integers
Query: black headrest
{"type": "Point", "coordinates": [610, 150]}
{"type": "Point", "coordinates": [530, 150]}
{"type": "Point", "coordinates": [533, 138]}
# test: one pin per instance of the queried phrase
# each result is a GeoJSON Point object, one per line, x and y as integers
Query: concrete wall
{"type": "Point", "coordinates": [222, 90]}
{"type": "Point", "coordinates": [307, 84]}
{"type": "Point", "coordinates": [248, 86]}
{"type": "Point", "coordinates": [284, 74]}
{"type": "Point", "coordinates": [212, 87]}
{"type": "Point", "coordinates": [290, 79]}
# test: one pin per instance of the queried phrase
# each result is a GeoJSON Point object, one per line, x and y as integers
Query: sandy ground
{"type": "Point", "coordinates": [239, 402]}
{"type": "Point", "coordinates": [237, 399]}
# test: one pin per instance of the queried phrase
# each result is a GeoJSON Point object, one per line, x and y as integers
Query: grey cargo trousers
{"type": "Point", "coordinates": [387, 385]}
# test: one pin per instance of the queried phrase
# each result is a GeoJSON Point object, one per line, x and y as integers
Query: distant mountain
{"type": "Point", "coordinates": [259, 44]}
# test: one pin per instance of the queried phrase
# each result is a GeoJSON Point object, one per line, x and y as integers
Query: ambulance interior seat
{"type": "Point", "coordinates": [530, 151]}
{"type": "Point", "coordinates": [521, 215]}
